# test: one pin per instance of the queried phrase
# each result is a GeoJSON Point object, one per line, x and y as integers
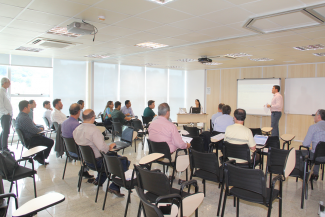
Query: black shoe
{"type": "Point", "coordinates": [117, 193]}
{"type": "Point", "coordinates": [86, 175]}
{"type": "Point", "coordinates": [91, 180]}
{"type": "Point", "coordinates": [106, 138]}
{"type": "Point", "coordinates": [314, 177]}
{"type": "Point", "coordinates": [96, 183]}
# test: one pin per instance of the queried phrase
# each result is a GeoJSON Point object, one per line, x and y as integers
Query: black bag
{"type": "Point", "coordinates": [9, 164]}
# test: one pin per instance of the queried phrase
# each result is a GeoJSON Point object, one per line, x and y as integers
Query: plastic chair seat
{"type": "Point", "coordinates": [119, 182]}
{"type": "Point", "coordinates": [252, 196]}
{"type": "Point", "coordinates": [22, 172]}
{"type": "Point", "coordinates": [206, 175]}
{"type": "Point", "coordinates": [166, 160]}
{"type": "Point", "coordinates": [152, 197]}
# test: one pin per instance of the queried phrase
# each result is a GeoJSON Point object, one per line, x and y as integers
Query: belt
{"type": "Point", "coordinates": [276, 112]}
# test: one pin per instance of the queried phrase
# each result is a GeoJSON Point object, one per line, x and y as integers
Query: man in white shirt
{"type": "Point", "coordinates": [47, 112]}
{"type": "Point", "coordinates": [57, 115]}
{"type": "Point", "coordinates": [127, 110]}
{"type": "Point", "coordinates": [5, 113]}
{"type": "Point", "coordinates": [276, 109]}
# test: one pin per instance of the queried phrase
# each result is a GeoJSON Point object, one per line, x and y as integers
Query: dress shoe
{"type": "Point", "coordinates": [86, 175]}
{"type": "Point", "coordinates": [40, 160]}
{"type": "Point", "coordinates": [314, 177]}
{"type": "Point", "coordinates": [106, 138]}
{"type": "Point", "coordinates": [117, 193]}
{"type": "Point", "coordinates": [91, 180]}
{"type": "Point", "coordinates": [96, 183]}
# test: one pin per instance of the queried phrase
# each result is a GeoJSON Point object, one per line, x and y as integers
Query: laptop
{"type": "Point", "coordinates": [182, 111]}
{"type": "Point", "coordinates": [126, 138]}
{"type": "Point", "coordinates": [196, 110]}
{"type": "Point", "coordinates": [260, 140]}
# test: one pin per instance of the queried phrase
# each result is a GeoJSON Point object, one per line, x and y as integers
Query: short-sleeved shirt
{"type": "Point", "coordinates": [126, 110]}
{"type": "Point", "coordinates": [68, 126]}
{"type": "Point", "coordinates": [315, 134]}
{"type": "Point", "coordinates": [222, 122]}
{"type": "Point", "coordinates": [213, 118]}
{"type": "Point", "coordinates": [118, 114]}
{"type": "Point", "coordinates": [148, 112]}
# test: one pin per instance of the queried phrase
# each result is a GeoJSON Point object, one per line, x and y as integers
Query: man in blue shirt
{"type": "Point", "coordinates": [213, 118]}
{"type": "Point", "coordinates": [127, 110]}
{"type": "Point", "coordinates": [222, 122]}
{"type": "Point", "coordinates": [69, 125]}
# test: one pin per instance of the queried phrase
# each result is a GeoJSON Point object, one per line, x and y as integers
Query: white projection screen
{"type": "Point", "coordinates": [254, 94]}
{"type": "Point", "coordinates": [304, 96]}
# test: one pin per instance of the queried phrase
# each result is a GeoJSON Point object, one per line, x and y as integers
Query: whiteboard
{"type": "Point", "coordinates": [254, 94]}
{"type": "Point", "coordinates": [304, 96]}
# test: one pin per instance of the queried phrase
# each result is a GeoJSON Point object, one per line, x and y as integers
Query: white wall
{"type": "Point", "coordinates": [195, 85]}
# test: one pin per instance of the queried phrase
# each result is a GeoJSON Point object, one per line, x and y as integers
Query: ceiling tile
{"type": "Point", "coordinates": [19, 3]}
{"type": "Point", "coordinates": [229, 15]}
{"type": "Point", "coordinates": [93, 13]}
{"type": "Point", "coordinates": [20, 24]}
{"type": "Point", "coordinates": [194, 37]}
{"type": "Point", "coordinates": [168, 31]}
{"type": "Point", "coordinates": [41, 17]}
{"type": "Point", "coordinates": [126, 41]}
{"type": "Point", "coordinates": [86, 2]}
{"type": "Point", "coordinates": [15, 31]}
{"type": "Point", "coordinates": [126, 6]}
{"type": "Point", "coordinates": [9, 11]}
{"type": "Point", "coordinates": [144, 36]}
{"type": "Point", "coordinates": [117, 31]}
{"type": "Point", "coordinates": [4, 21]}
{"type": "Point", "coordinates": [200, 7]}
{"type": "Point", "coordinates": [60, 7]}
{"type": "Point", "coordinates": [289, 38]}
{"type": "Point", "coordinates": [14, 38]}
{"type": "Point", "coordinates": [137, 23]}
{"type": "Point", "coordinates": [265, 24]}
{"type": "Point", "coordinates": [314, 35]}
{"type": "Point", "coordinates": [159, 15]}
{"type": "Point", "coordinates": [196, 23]}
{"type": "Point", "coordinates": [171, 41]}
{"type": "Point", "coordinates": [222, 32]}
{"type": "Point", "coordinates": [240, 2]}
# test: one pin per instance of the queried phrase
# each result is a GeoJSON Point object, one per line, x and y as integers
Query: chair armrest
{"type": "Point", "coordinates": [178, 150]}
{"type": "Point", "coordinates": [275, 179]}
{"type": "Point", "coordinates": [23, 159]}
{"type": "Point", "coordinates": [123, 158]}
{"type": "Point", "coordinates": [3, 196]}
{"type": "Point", "coordinates": [300, 147]}
{"type": "Point", "coordinates": [156, 171]}
{"type": "Point", "coordinates": [187, 183]}
{"type": "Point", "coordinates": [168, 196]}
{"type": "Point", "coordinates": [231, 162]}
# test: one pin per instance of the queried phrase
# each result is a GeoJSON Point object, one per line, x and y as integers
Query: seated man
{"type": "Point", "coordinates": [214, 116]}
{"type": "Point", "coordinates": [87, 134]}
{"type": "Point", "coordinates": [116, 113]}
{"type": "Point", "coordinates": [127, 110]}
{"type": "Point", "coordinates": [162, 130]}
{"type": "Point", "coordinates": [82, 105]}
{"type": "Point", "coordinates": [148, 112]}
{"type": "Point", "coordinates": [239, 134]}
{"type": "Point", "coordinates": [32, 134]}
{"type": "Point", "coordinates": [67, 128]}
{"type": "Point", "coordinates": [57, 115]}
{"type": "Point", "coordinates": [223, 121]}
{"type": "Point", "coordinates": [31, 113]}
{"type": "Point", "coordinates": [47, 111]}
{"type": "Point", "coordinates": [315, 134]}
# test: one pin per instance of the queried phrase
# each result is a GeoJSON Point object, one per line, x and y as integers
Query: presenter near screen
{"type": "Point", "coordinates": [276, 107]}
{"type": "Point", "coordinates": [197, 105]}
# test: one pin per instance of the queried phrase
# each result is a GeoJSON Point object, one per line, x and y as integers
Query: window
{"type": "Point", "coordinates": [3, 71]}
{"type": "Point", "coordinates": [176, 92]}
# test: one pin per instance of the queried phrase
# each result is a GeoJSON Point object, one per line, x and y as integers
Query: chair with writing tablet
{"type": "Point", "coordinates": [287, 138]}
{"type": "Point", "coordinates": [266, 130]}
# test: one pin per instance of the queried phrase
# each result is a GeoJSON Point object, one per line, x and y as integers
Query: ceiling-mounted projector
{"type": "Point", "coordinates": [81, 28]}
{"type": "Point", "coordinates": [204, 60]}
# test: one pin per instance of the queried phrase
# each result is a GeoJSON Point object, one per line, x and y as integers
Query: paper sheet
{"type": "Point", "coordinates": [187, 139]}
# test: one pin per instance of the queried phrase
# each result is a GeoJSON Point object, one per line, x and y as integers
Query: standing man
{"type": "Point", "coordinates": [127, 110]}
{"type": "Point", "coordinates": [148, 112]}
{"type": "Point", "coordinates": [214, 116]}
{"type": "Point", "coordinates": [57, 115]}
{"type": "Point", "coordinates": [82, 105]}
{"type": "Point", "coordinates": [5, 113]}
{"type": "Point", "coordinates": [276, 109]}
{"type": "Point", "coordinates": [47, 112]}
{"type": "Point", "coordinates": [116, 113]}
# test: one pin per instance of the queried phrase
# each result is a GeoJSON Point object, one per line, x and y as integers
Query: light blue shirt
{"type": "Point", "coordinates": [315, 134]}
{"type": "Point", "coordinates": [222, 122]}
{"type": "Point", "coordinates": [126, 110]}
{"type": "Point", "coordinates": [213, 118]}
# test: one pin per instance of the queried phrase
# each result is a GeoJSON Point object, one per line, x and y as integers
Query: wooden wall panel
{"type": "Point", "coordinates": [213, 81]}
{"type": "Point", "coordinates": [298, 125]}
{"type": "Point", "coordinates": [321, 70]}
{"type": "Point", "coordinates": [301, 71]}
{"type": "Point", "coordinates": [229, 87]}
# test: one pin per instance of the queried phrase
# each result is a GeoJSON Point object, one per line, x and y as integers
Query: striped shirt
{"type": "Point", "coordinates": [315, 134]}
{"type": "Point", "coordinates": [26, 125]}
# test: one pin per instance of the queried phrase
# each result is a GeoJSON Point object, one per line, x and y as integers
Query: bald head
{"type": "Point", "coordinates": [74, 110]}
{"type": "Point", "coordinates": [88, 115]}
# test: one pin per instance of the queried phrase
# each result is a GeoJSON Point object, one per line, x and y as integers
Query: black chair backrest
{"type": "Point", "coordinates": [193, 131]}
{"type": "Point", "coordinates": [197, 144]}
{"type": "Point", "coordinates": [21, 136]}
{"type": "Point", "coordinates": [71, 146]}
{"type": "Point", "coordinates": [211, 127]}
{"type": "Point", "coordinates": [276, 158]}
{"type": "Point", "coordinates": [2, 191]}
{"type": "Point", "coordinates": [319, 152]}
{"type": "Point", "coordinates": [117, 126]}
{"type": "Point", "coordinates": [116, 120]}
{"type": "Point", "coordinates": [146, 120]}
{"type": "Point", "coordinates": [205, 161]}
{"type": "Point", "coordinates": [273, 141]}
{"type": "Point", "coordinates": [114, 166]}
{"type": "Point", "coordinates": [56, 126]}
{"type": "Point", "coordinates": [256, 131]}
{"type": "Point", "coordinates": [247, 179]}
{"type": "Point", "coordinates": [150, 209]}
{"type": "Point", "coordinates": [3, 169]}
{"type": "Point", "coordinates": [47, 123]}
{"type": "Point", "coordinates": [216, 133]}
{"type": "Point", "coordinates": [299, 163]}
{"type": "Point", "coordinates": [160, 147]}
{"type": "Point", "coordinates": [88, 155]}
{"type": "Point", "coordinates": [155, 182]}
{"type": "Point", "coordinates": [240, 151]}
{"type": "Point", "coordinates": [137, 125]}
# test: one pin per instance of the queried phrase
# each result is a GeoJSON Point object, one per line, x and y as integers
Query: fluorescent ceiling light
{"type": "Point", "coordinates": [98, 56]}
{"type": "Point", "coordinates": [187, 60]}
{"type": "Point", "coordinates": [212, 64]}
{"type": "Point", "coordinates": [151, 45]}
{"type": "Point", "coordinates": [260, 59]}
{"type": "Point", "coordinates": [175, 67]}
{"type": "Point", "coordinates": [31, 49]}
{"type": "Point", "coordinates": [319, 54]}
{"type": "Point", "coordinates": [235, 55]}
{"type": "Point", "coordinates": [310, 47]}
{"type": "Point", "coordinates": [151, 64]}
{"type": "Point", "coordinates": [62, 31]}
{"type": "Point", "coordinates": [161, 1]}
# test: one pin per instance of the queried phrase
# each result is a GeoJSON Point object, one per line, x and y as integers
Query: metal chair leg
{"type": "Point", "coordinates": [106, 194]}
{"type": "Point", "coordinates": [237, 210]}
{"type": "Point", "coordinates": [65, 166]}
{"type": "Point", "coordinates": [100, 175]}
{"type": "Point", "coordinates": [127, 203]}
{"type": "Point", "coordinates": [35, 194]}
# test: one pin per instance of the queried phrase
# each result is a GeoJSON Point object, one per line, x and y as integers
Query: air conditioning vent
{"type": "Point", "coordinates": [52, 43]}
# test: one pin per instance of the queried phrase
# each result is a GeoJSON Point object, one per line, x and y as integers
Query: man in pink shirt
{"type": "Point", "coordinates": [162, 130]}
{"type": "Point", "coordinates": [276, 109]}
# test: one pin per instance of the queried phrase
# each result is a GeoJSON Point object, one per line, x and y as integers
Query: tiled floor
{"type": "Point", "coordinates": [49, 179]}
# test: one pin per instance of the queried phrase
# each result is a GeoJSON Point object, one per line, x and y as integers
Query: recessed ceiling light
{"type": "Point", "coordinates": [260, 59]}
{"type": "Point", "coordinates": [187, 60]}
{"type": "Point", "coordinates": [31, 49]}
{"type": "Point", "coordinates": [151, 64]}
{"type": "Point", "coordinates": [310, 47]}
{"type": "Point", "coordinates": [62, 31]}
{"type": "Point", "coordinates": [319, 54]}
{"type": "Point", "coordinates": [175, 67]}
{"type": "Point", "coordinates": [98, 56]}
{"type": "Point", "coordinates": [151, 45]}
{"type": "Point", "coordinates": [161, 1]}
{"type": "Point", "coordinates": [235, 55]}
{"type": "Point", "coordinates": [212, 64]}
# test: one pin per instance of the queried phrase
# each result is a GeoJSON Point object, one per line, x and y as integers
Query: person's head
{"type": "Point", "coordinates": [89, 116]}
{"type": "Point", "coordinates": [32, 103]}
{"type": "Point", "coordinates": [110, 105]}
{"type": "Point", "coordinates": [127, 103]}
{"type": "Point", "coordinates": [164, 110]}
{"type": "Point", "coordinates": [151, 104]}
{"type": "Point", "coordinates": [74, 110]}
{"type": "Point", "coordinates": [57, 104]}
{"type": "Point", "coordinates": [320, 115]}
{"type": "Point", "coordinates": [47, 104]}
{"type": "Point", "coordinates": [118, 105]}
{"type": "Point", "coordinates": [226, 110]}
{"type": "Point", "coordinates": [81, 103]}
{"type": "Point", "coordinates": [197, 103]}
{"type": "Point", "coordinates": [275, 89]}
{"type": "Point", "coordinates": [240, 115]}
{"type": "Point", "coordinates": [24, 106]}
{"type": "Point", "coordinates": [5, 82]}
{"type": "Point", "coordinates": [220, 107]}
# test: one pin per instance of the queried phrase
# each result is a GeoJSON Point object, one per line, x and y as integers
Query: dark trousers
{"type": "Point", "coordinates": [39, 140]}
{"type": "Point", "coordinates": [5, 124]}
{"type": "Point", "coordinates": [275, 117]}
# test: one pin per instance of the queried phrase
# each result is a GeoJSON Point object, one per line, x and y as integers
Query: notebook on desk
{"type": "Point", "coordinates": [260, 140]}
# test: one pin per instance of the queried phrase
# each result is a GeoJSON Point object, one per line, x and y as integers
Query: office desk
{"type": "Point", "coordinates": [192, 118]}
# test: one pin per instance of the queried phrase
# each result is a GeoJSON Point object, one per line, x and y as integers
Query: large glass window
{"type": "Point", "coordinates": [3, 71]}
{"type": "Point", "coordinates": [176, 92]}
